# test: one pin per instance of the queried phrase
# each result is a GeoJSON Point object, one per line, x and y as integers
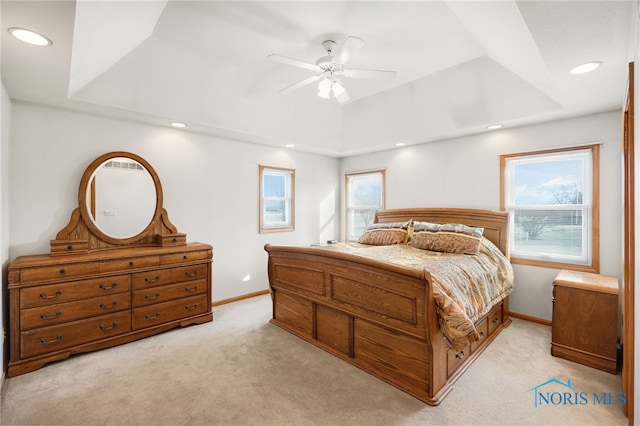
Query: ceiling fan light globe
{"type": "Point", "coordinates": [324, 88]}
{"type": "Point", "coordinates": [337, 88]}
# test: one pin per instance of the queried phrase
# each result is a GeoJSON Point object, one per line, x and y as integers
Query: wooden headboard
{"type": "Point", "coordinates": [495, 223]}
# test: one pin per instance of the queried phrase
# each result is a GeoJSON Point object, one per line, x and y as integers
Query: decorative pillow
{"type": "Point", "coordinates": [385, 234]}
{"type": "Point", "coordinates": [446, 238]}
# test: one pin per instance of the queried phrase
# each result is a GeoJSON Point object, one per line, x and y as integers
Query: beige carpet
{"type": "Point", "coordinates": [242, 370]}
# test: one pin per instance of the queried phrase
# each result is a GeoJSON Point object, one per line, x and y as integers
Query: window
{"type": "Point", "coordinates": [276, 199]}
{"type": "Point", "coordinates": [553, 199]}
{"type": "Point", "coordinates": [365, 195]}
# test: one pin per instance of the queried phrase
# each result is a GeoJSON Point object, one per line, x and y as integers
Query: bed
{"type": "Point", "coordinates": [382, 316]}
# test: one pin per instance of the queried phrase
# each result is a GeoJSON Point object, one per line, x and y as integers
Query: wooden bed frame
{"type": "Point", "coordinates": [378, 316]}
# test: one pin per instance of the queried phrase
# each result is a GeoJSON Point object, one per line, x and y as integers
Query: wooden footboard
{"type": "Point", "coordinates": [378, 316]}
{"type": "Point", "coordinates": [372, 315]}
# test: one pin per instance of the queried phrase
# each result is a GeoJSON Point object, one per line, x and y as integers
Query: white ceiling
{"type": "Point", "coordinates": [460, 65]}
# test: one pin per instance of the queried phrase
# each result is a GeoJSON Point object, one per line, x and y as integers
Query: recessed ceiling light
{"type": "Point", "coordinates": [178, 125]}
{"type": "Point", "coordinates": [494, 127]}
{"type": "Point", "coordinates": [290, 145]}
{"type": "Point", "coordinates": [400, 144]}
{"type": "Point", "coordinates": [29, 36]}
{"type": "Point", "coordinates": [588, 67]}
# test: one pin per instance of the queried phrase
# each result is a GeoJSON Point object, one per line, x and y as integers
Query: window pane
{"type": "Point", "coordinates": [366, 190]}
{"type": "Point", "coordinates": [549, 232]}
{"type": "Point", "coordinates": [274, 185]}
{"type": "Point", "coordinates": [275, 211]}
{"type": "Point", "coordinates": [549, 181]}
{"type": "Point", "coordinates": [365, 195]}
{"type": "Point", "coordinates": [360, 219]}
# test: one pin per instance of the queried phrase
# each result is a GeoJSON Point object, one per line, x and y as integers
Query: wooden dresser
{"type": "Point", "coordinates": [585, 319]}
{"type": "Point", "coordinates": [95, 291]}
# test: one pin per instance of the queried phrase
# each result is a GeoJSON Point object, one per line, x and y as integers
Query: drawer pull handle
{"type": "Point", "coordinates": [103, 306]}
{"type": "Point", "coordinates": [131, 263]}
{"type": "Point", "coordinates": [481, 335]}
{"type": "Point", "coordinates": [184, 257]}
{"type": "Point", "coordinates": [104, 287]}
{"type": "Point", "coordinates": [62, 271]}
{"type": "Point", "coordinates": [496, 320]}
{"type": "Point", "coordinates": [191, 290]}
{"type": "Point", "coordinates": [44, 340]}
{"type": "Point", "coordinates": [107, 328]}
{"type": "Point", "coordinates": [152, 317]}
{"type": "Point", "coordinates": [175, 240]}
{"type": "Point", "coordinates": [192, 274]}
{"type": "Point", "coordinates": [146, 296]}
{"type": "Point", "coordinates": [151, 281]}
{"type": "Point", "coordinates": [57, 294]}
{"type": "Point", "coordinates": [192, 307]}
{"type": "Point", "coordinates": [460, 355]}
{"type": "Point", "coordinates": [69, 247]}
{"type": "Point", "coordinates": [47, 317]}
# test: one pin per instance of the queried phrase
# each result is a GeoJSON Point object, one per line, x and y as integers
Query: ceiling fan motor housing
{"type": "Point", "coordinates": [329, 46]}
{"type": "Point", "coordinates": [326, 63]}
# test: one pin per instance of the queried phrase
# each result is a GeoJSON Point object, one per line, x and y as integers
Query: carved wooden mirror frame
{"type": "Point", "coordinates": [82, 235]}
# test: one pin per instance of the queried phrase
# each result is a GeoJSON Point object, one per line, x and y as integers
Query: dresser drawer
{"type": "Point", "coordinates": [50, 339]}
{"type": "Point", "coordinates": [169, 311]}
{"type": "Point", "coordinates": [113, 265]}
{"type": "Point", "coordinates": [187, 256]}
{"type": "Point", "coordinates": [61, 271]}
{"type": "Point", "coordinates": [45, 295]}
{"type": "Point", "coordinates": [44, 316]}
{"type": "Point", "coordinates": [169, 276]}
{"type": "Point", "coordinates": [168, 292]}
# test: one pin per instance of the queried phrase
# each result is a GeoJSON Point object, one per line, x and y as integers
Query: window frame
{"type": "Point", "coordinates": [289, 199]}
{"type": "Point", "coordinates": [593, 208]}
{"type": "Point", "coordinates": [382, 173]}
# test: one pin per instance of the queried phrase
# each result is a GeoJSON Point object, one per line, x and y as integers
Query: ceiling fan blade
{"type": "Point", "coordinates": [349, 47]}
{"type": "Point", "coordinates": [300, 84]}
{"type": "Point", "coordinates": [370, 74]}
{"type": "Point", "coordinates": [294, 62]}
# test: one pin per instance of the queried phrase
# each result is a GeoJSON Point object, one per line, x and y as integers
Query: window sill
{"type": "Point", "coordinates": [557, 265]}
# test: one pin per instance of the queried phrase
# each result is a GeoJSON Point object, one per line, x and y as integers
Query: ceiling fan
{"type": "Point", "coordinates": [330, 68]}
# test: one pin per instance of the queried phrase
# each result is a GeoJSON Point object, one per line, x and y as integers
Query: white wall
{"type": "Point", "coordinates": [465, 172]}
{"type": "Point", "coordinates": [210, 187]}
{"type": "Point", "coordinates": [5, 118]}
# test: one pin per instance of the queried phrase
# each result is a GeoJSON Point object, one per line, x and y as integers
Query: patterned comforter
{"type": "Point", "coordinates": [465, 287]}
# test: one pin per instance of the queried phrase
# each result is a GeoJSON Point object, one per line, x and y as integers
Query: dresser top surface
{"type": "Point", "coordinates": [102, 255]}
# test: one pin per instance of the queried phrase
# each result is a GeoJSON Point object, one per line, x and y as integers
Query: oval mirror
{"type": "Point", "coordinates": [121, 195]}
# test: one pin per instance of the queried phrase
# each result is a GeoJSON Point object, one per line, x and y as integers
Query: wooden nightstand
{"type": "Point", "coordinates": [585, 319]}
